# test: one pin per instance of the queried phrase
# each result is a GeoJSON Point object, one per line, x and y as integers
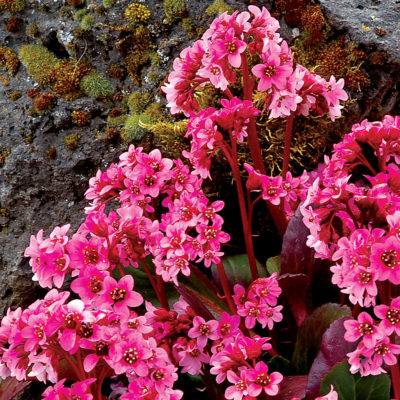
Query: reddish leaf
{"type": "Point", "coordinates": [296, 256]}
{"type": "Point", "coordinates": [294, 289]}
{"type": "Point", "coordinates": [195, 302]}
{"type": "Point", "coordinates": [332, 351]}
{"type": "Point", "coordinates": [292, 386]}
{"type": "Point", "coordinates": [10, 387]}
{"type": "Point", "coordinates": [204, 290]}
{"type": "Point", "coordinates": [310, 334]}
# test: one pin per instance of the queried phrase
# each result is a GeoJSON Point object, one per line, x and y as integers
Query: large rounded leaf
{"type": "Point", "coordinates": [332, 351]}
{"type": "Point", "coordinates": [310, 334]}
{"type": "Point", "coordinates": [354, 386]}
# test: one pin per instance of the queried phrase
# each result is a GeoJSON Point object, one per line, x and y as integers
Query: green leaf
{"type": "Point", "coordinates": [310, 334]}
{"type": "Point", "coordinates": [237, 270]}
{"type": "Point", "coordinates": [280, 364]}
{"type": "Point", "coordinates": [274, 265]}
{"type": "Point", "coordinates": [355, 387]}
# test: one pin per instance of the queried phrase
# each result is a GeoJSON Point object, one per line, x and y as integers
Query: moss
{"type": "Point", "coordinates": [136, 51]}
{"type": "Point", "coordinates": [75, 3]}
{"type": "Point", "coordinates": [43, 103]}
{"type": "Point", "coordinates": [217, 8]}
{"type": "Point", "coordinates": [138, 101]}
{"type": "Point", "coordinates": [15, 95]}
{"type": "Point", "coordinates": [134, 129]}
{"type": "Point", "coordinates": [356, 81]}
{"type": "Point", "coordinates": [3, 155]}
{"type": "Point", "coordinates": [66, 76]}
{"type": "Point", "coordinates": [117, 120]}
{"type": "Point", "coordinates": [51, 153]}
{"type": "Point", "coordinates": [96, 85]}
{"type": "Point", "coordinates": [79, 15]}
{"type": "Point", "coordinates": [87, 23]}
{"type": "Point", "coordinates": [81, 117]}
{"type": "Point", "coordinates": [9, 60]}
{"type": "Point", "coordinates": [5, 80]}
{"type": "Point", "coordinates": [155, 111]}
{"type": "Point", "coordinates": [32, 31]}
{"type": "Point", "coordinates": [13, 25]}
{"type": "Point", "coordinates": [101, 10]}
{"type": "Point", "coordinates": [12, 5]}
{"type": "Point", "coordinates": [137, 13]}
{"type": "Point", "coordinates": [79, 33]}
{"type": "Point", "coordinates": [108, 3]}
{"type": "Point", "coordinates": [44, 7]}
{"type": "Point", "coordinates": [187, 25]}
{"type": "Point", "coordinates": [154, 77]}
{"type": "Point", "coordinates": [174, 10]}
{"type": "Point", "coordinates": [116, 71]}
{"type": "Point", "coordinates": [34, 57]}
{"type": "Point", "coordinates": [65, 12]}
{"type": "Point", "coordinates": [72, 141]}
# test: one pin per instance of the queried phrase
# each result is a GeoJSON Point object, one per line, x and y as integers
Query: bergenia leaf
{"type": "Point", "coordinates": [310, 333]}
{"type": "Point", "coordinates": [294, 290]}
{"type": "Point", "coordinates": [10, 387]}
{"type": "Point", "coordinates": [355, 387]}
{"type": "Point", "coordinates": [237, 270]}
{"type": "Point", "coordinates": [296, 256]}
{"type": "Point", "coordinates": [332, 351]}
{"type": "Point", "coordinates": [204, 290]}
{"type": "Point", "coordinates": [273, 264]}
{"type": "Point", "coordinates": [292, 386]}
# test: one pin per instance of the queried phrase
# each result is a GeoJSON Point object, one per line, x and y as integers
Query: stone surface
{"type": "Point", "coordinates": [362, 20]}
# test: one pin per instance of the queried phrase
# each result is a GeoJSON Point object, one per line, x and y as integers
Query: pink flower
{"type": "Point", "coordinates": [332, 395]}
{"type": "Point", "coordinates": [202, 331]}
{"type": "Point", "coordinates": [239, 389]}
{"type": "Point", "coordinates": [271, 73]}
{"type": "Point", "coordinates": [390, 316]}
{"type": "Point", "coordinates": [119, 296]}
{"type": "Point", "coordinates": [362, 328]}
{"type": "Point", "coordinates": [385, 259]}
{"type": "Point", "coordinates": [231, 47]}
{"type": "Point", "coordinates": [260, 381]}
{"type": "Point", "coordinates": [130, 355]}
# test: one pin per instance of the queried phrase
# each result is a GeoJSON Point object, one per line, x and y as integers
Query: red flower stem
{"type": "Point", "coordinates": [232, 159]}
{"type": "Point", "coordinates": [74, 367]}
{"type": "Point", "coordinates": [254, 145]}
{"type": "Point", "coordinates": [208, 383]}
{"type": "Point", "coordinates": [153, 283]}
{"type": "Point", "coordinates": [287, 145]}
{"type": "Point", "coordinates": [121, 271]}
{"type": "Point", "coordinates": [226, 287]}
{"type": "Point", "coordinates": [80, 363]}
{"type": "Point", "coordinates": [100, 384]}
{"type": "Point", "coordinates": [395, 374]}
{"type": "Point", "coordinates": [228, 93]}
{"type": "Point", "coordinates": [161, 290]}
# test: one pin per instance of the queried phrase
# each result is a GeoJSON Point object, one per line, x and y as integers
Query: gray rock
{"type": "Point", "coordinates": [362, 20]}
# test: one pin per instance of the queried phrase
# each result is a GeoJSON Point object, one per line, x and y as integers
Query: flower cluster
{"type": "Point", "coordinates": [290, 192]}
{"type": "Point", "coordinates": [258, 302]}
{"type": "Point", "coordinates": [352, 213]}
{"type": "Point", "coordinates": [189, 231]}
{"type": "Point", "coordinates": [207, 128]}
{"type": "Point", "coordinates": [109, 340]}
{"type": "Point", "coordinates": [224, 48]}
